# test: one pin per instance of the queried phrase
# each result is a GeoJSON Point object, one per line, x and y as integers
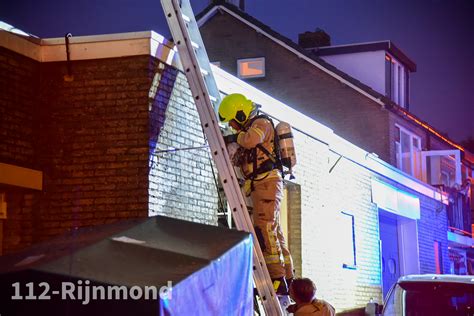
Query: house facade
{"type": "Point", "coordinates": [361, 91]}
{"type": "Point", "coordinates": [344, 204]}
{"type": "Point", "coordinates": [113, 133]}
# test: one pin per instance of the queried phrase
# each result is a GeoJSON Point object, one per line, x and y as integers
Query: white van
{"type": "Point", "coordinates": [431, 295]}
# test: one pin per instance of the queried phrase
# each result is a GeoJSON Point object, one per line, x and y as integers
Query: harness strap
{"type": "Point", "coordinates": [286, 135]}
{"type": "Point", "coordinates": [274, 160]}
{"type": "Point", "coordinates": [266, 152]}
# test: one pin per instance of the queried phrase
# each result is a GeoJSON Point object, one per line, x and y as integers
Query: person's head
{"type": "Point", "coordinates": [302, 290]}
{"type": "Point", "coordinates": [235, 109]}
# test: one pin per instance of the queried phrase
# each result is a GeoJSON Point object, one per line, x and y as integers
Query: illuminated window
{"type": "Point", "coordinates": [408, 148]}
{"type": "Point", "coordinates": [251, 68]}
{"type": "Point", "coordinates": [396, 81]}
{"type": "Point", "coordinates": [347, 241]}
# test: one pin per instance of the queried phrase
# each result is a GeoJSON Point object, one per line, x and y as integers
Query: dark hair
{"type": "Point", "coordinates": [304, 289]}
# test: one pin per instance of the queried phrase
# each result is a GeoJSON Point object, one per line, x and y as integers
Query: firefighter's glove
{"type": "Point", "coordinates": [232, 138]}
{"type": "Point", "coordinates": [235, 153]}
{"type": "Point", "coordinates": [239, 157]}
{"type": "Point", "coordinates": [291, 308]}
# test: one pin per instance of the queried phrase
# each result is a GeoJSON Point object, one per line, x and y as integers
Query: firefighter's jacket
{"type": "Point", "coordinates": [315, 308]}
{"type": "Point", "coordinates": [259, 130]}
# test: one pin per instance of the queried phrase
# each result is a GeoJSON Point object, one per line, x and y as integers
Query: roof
{"type": "Point", "coordinates": [315, 60]}
{"type": "Point", "coordinates": [367, 47]}
{"type": "Point", "coordinates": [11, 29]}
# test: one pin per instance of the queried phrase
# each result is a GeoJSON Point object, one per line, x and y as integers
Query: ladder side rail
{"type": "Point", "coordinates": [202, 60]}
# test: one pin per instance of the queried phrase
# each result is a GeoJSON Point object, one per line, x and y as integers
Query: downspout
{"type": "Point", "coordinates": [69, 77]}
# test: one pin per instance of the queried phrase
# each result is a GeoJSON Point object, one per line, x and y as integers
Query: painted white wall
{"type": "Point", "coordinates": [408, 246]}
{"type": "Point", "coordinates": [367, 67]}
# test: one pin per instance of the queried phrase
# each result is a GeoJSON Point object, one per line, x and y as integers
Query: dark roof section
{"type": "Point", "coordinates": [389, 104]}
{"type": "Point", "coordinates": [367, 47]}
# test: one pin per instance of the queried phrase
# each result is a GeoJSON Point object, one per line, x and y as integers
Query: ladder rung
{"type": "Point", "coordinates": [204, 72]}
{"type": "Point", "coordinates": [213, 98]}
{"type": "Point", "coordinates": [185, 18]}
{"type": "Point", "coordinates": [195, 45]}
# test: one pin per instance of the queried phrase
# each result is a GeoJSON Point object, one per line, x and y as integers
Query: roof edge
{"type": "Point", "coordinates": [93, 47]}
{"type": "Point", "coordinates": [387, 45]}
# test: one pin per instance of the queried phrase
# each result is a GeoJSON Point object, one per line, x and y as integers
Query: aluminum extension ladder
{"type": "Point", "coordinates": [196, 66]}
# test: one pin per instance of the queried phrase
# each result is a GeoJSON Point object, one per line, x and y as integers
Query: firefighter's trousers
{"type": "Point", "coordinates": [266, 199]}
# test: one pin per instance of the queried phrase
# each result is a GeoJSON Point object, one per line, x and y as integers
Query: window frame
{"type": "Point", "coordinates": [396, 81]}
{"type": "Point", "coordinates": [398, 145]}
{"type": "Point", "coordinates": [242, 60]}
{"type": "Point", "coordinates": [353, 264]}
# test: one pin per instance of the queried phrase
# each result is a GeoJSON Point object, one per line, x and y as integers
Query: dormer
{"type": "Point", "coordinates": [379, 65]}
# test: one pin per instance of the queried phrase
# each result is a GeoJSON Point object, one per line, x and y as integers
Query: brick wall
{"type": "Point", "coordinates": [181, 181]}
{"type": "Point", "coordinates": [19, 100]}
{"type": "Point", "coordinates": [324, 196]}
{"type": "Point", "coordinates": [19, 81]}
{"type": "Point", "coordinates": [432, 226]}
{"type": "Point", "coordinates": [19, 228]}
{"type": "Point", "coordinates": [93, 139]}
{"type": "Point", "coordinates": [294, 225]}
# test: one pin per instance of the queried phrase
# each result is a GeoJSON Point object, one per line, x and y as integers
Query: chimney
{"type": "Point", "coordinates": [318, 38]}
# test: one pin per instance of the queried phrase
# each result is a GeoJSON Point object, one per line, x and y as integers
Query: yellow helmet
{"type": "Point", "coordinates": [235, 106]}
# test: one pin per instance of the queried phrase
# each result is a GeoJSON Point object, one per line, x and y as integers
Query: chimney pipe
{"type": "Point", "coordinates": [318, 38]}
{"type": "Point", "coordinates": [242, 5]}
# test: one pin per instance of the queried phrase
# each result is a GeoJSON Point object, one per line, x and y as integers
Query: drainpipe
{"type": "Point", "coordinates": [69, 77]}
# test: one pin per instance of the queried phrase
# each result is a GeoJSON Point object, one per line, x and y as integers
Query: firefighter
{"type": "Point", "coordinates": [303, 292]}
{"type": "Point", "coordinates": [264, 183]}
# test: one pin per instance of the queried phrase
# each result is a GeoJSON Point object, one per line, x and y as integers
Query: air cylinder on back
{"type": "Point", "coordinates": [287, 147]}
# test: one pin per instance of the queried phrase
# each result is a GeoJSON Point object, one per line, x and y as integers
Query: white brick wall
{"type": "Point", "coordinates": [324, 196]}
{"type": "Point", "coordinates": [181, 183]}
{"type": "Point", "coordinates": [347, 188]}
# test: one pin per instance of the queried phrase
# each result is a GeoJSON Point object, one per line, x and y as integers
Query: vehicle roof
{"type": "Point", "coordinates": [448, 278]}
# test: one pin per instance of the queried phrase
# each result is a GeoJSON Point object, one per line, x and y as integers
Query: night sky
{"type": "Point", "coordinates": [437, 35]}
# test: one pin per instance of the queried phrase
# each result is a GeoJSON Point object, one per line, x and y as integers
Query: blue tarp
{"type": "Point", "coordinates": [224, 287]}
